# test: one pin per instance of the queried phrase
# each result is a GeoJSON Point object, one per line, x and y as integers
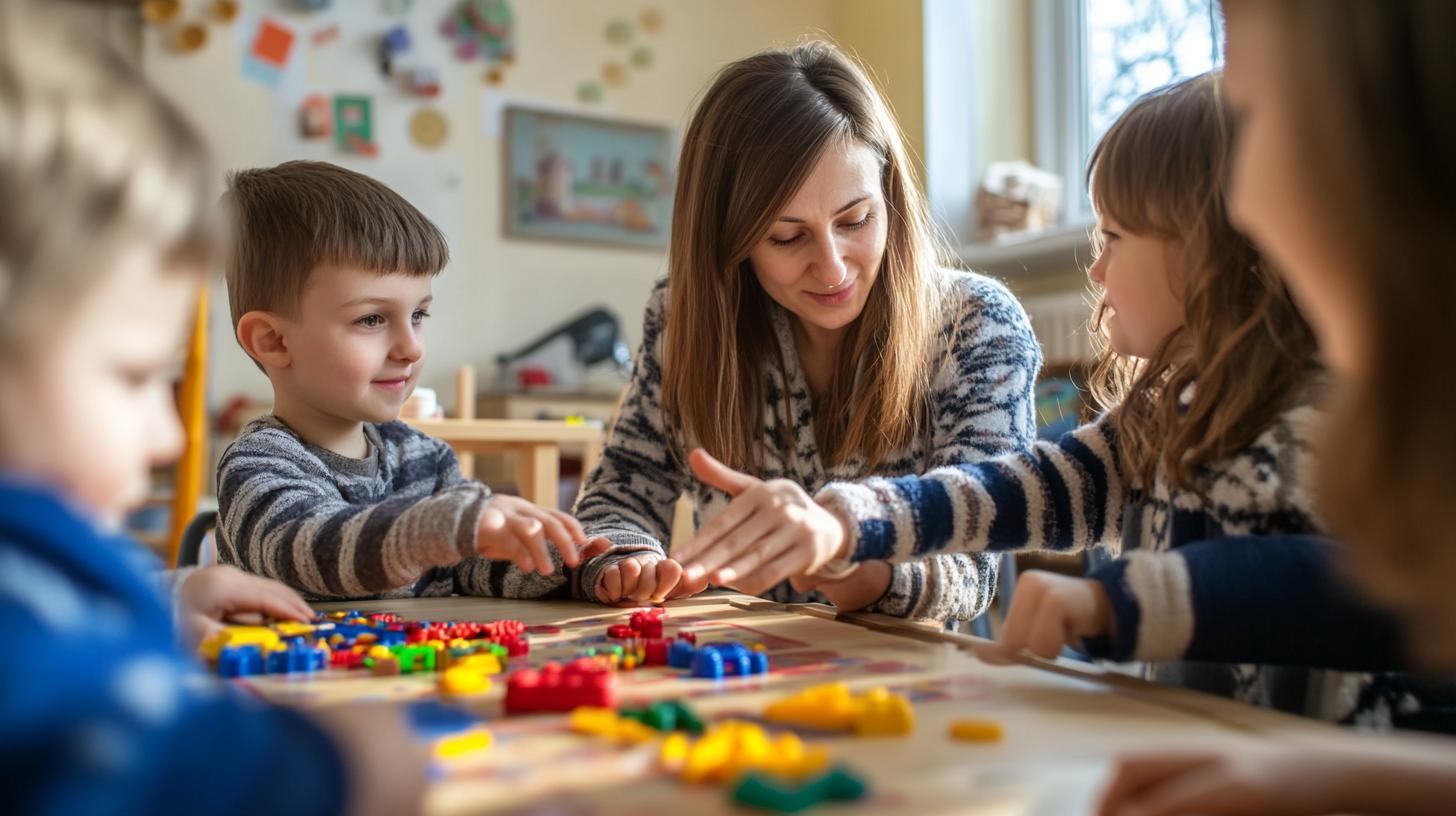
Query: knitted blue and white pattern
{"type": "Point", "coordinates": [1073, 494]}
{"type": "Point", "coordinates": [982, 405]}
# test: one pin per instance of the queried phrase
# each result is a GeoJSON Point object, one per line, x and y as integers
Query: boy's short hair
{"type": "Point", "coordinates": [94, 163]}
{"type": "Point", "coordinates": [291, 219]}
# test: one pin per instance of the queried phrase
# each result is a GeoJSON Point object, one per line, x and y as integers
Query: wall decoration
{"type": "Point", "coordinates": [619, 32]}
{"type": "Point", "coordinates": [577, 178]}
{"type": "Point", "coordinates": [429, 128]}
{"type": "Point", "coordinates": [614, 74]}
{"type": "Point", "coordinates": [589, 92]}
{"type": "Point", "coordinates": [325, 35]}
{"type": "Point", "coordinates": [394, 44]}
{"type": "Point", "coordinates": [482, 29]}
{"type": "Point", "coordinates": [354, 125]}
{"type": "Point", "coordinates": [312, 5]}
{"type": "Point", "coordinates": [225, 11]}
{"type": "Point", "coordinates": [160, 12]}
{"type": "Point", "coordinates": [643, 57]}
{"type": "Point", "coordinates": [651, 20]}
{"type": "Point", "coordinates": [189, 39]}
{"type": "Point", "coordinates": [315, 120]}
{"type": "Point", "coordinates": [268, 54]}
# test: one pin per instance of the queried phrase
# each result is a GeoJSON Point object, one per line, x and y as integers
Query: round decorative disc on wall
{"type": "Point", "coordinates": [429, 128]}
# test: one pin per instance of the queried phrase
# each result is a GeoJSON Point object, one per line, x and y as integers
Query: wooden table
{"type": "Point", "coordinates": [1063, 724]}
{"type": "Point", "coordinates": [536, 444]}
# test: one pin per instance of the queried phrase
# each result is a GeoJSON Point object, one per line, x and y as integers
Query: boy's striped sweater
{"type": "Point", "coordinates": [982, 406]}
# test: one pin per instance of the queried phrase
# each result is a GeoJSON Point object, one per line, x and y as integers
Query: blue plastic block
{"type": "Point", "coordinates": [680, 654]}
{"type": "Point", "coordinates": [718, 660]}
{"type": "Point", "coordinates": [240, 661]}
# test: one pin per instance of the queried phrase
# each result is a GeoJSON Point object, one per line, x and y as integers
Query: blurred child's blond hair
{"type": "Point", "coordinates": [1161, 171]}
{"type": "Point", "coordinates": [94, 165]}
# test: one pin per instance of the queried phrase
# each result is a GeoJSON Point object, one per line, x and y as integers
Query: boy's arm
{"type": "Point", "coordinates": [1274, 600]}
{"type": "Point", "coordinates": [1063, 495]}
{"type": "Point", "coordinates": [280, 518]}
{"type": "Point", "coordinates": [631, 496]}
{"type": "Point", "coordinates": [488, 578]}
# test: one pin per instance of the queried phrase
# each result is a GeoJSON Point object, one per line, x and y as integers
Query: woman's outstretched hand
{"type": "Point", "coordinates": [769, 532]}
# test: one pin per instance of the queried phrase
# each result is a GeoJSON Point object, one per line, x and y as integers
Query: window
{"type": "Point", "coordinates": [1094, 57]}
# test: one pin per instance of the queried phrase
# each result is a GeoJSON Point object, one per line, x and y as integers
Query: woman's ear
{"type": "Point", "coordinates": [262, 335]}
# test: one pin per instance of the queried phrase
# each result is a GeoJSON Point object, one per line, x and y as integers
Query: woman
{"type": "Point", "coordinates": [806, 333]}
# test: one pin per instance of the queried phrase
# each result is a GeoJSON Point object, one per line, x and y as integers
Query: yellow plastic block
{"type": "Point", "coordinates": [462, 744]}
{"type": "Point", "coordinates": [976, 730]}
{"type": "Point", "coordinates": [730, 748]}
{"type": "Point", "coordinates": [380, 651]}
{"type": "Point", "coordinates": [291, 628]}
{"type": "Point", "coordinates": [881, 712]}
{"type": "Point", "coordinates": [828, 708]}
{"type": "Point", "coordinates": [459, 680]}
{"type": "Point", "coordinates": [237, 636]}
{"type": "Point", "coordinates": [604, 722]}
{"type": "Point", "coordinates": [674, 752]}
{"type": "Point", "coordinates": [487, 663]}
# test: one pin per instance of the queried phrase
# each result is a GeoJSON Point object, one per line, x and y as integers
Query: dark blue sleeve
{"type": "Point", "coordinates": [1276, 600]}
{"type": "Point", "coordinates": [98, 722]}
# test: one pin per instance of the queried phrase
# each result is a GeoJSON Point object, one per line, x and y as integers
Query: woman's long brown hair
{"type": "Point", "coordinates": [1160, 171]}
{"type": "Point", "coordinates": [753, 140]}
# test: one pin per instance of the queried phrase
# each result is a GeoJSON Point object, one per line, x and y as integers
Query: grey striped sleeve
{"type": "Point", "coordinates": [285, 514]}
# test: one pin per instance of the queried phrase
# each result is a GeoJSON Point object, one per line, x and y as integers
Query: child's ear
{"type": "Point", "coordinates": [262, 336]}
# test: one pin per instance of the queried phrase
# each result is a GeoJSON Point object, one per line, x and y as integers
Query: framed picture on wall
{"type": "Point", "coordinates": [580, 178]}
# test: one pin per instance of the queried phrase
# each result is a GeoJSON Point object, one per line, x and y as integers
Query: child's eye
{"type": "Point", "coordinates": [1109, 235]}
{"type": "Point", "coordinates": [370, 321]}
{"type": "Point", "coordinates": [419, 316]}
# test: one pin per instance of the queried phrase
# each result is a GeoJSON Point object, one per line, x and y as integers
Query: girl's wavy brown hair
{"type": "Point", "coordinates": [1160, 171]}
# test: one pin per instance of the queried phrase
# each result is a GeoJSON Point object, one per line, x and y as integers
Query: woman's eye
{"type": "Point", "coordinates": [860, 224]}
{"type": "Point", "coordinates": [785, 241]}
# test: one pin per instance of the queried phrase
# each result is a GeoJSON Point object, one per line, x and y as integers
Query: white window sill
{"type": "Point", "coordinates": [1066, 244]}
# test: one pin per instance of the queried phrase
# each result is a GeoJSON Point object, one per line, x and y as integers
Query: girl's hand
{"type": "Point", "coordinates": [770, 531]}
{"type": "Point", "coordinates": [1048, 612]}
{"type": "Point", "coordinates": [1248, 780]}
{"type": "Point", "coordinates": [211, 595]}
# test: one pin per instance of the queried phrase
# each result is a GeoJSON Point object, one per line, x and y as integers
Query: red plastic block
{"type": "Point", "coordinates": [515, 645]}
{"type": "Point", "coordinates": [620, 631]}
{"type": "Point", "coordinates": [656, 654]}
{"type": "Point", "coordinates": [690, 637]}
{"type": "Point", "coordinates": [346, 659]}
{"type": "Point", "coordinates": [648, 622]}
{"type": "Point", "coordinates": [561, 688]}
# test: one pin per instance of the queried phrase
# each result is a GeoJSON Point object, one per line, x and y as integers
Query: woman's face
{"type": "Point", "coordinates": [1271, 200]}
{"type": "Point", "coordinates": [822, 254]}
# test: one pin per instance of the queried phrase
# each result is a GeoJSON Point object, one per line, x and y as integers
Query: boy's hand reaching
{"type": "Point", "coordinates": [644, 578]}
{"type": "Point", "coordinates": [1048, 612]}
{"type": "Point", "coordinates": [513, 529]}
{"type": "Point", "coordinates": [212, 595]}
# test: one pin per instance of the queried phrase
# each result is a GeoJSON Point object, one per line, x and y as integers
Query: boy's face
{"type": "Point", "coordinates": [88, 409]}
{"type": "Point", "coordinates": [356, 344]}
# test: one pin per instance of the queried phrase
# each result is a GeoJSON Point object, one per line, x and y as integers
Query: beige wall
{"type": "Point", "coordinates": [887, 36]}
{"type": "Point", "coordinates": [497, 293]}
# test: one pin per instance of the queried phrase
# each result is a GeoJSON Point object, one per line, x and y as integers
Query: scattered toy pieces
{"type": "Point", "coordinates": [832, 707]}
{"type": "Point", "coordinates": [556, 687]}
{"type": "Point", "coordinates": [970, 730]}
{"type": "Point", "coordinates": [763, 791]}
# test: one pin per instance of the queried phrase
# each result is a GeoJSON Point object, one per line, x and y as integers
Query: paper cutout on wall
{"type": "Point", "coordinates": [614, 74]}
{"type": "Point", "coordinates": [158, 12]}
{"type": "Point", "coordinates": [354, 125]}
{"type": "Point", "coordinates": [589, 93]}
{"type": "Point", "coordinates": [268, 54]}
{"type": "Point", "coordinates": [325, 35]}
{"type": "Point", "coordinates": [224, 11]}
{"type": "Point", "coordinates": [651, 20]}
{"type": "Point", "coordinates": [315, 120]}
{"type": "Point", "coordinates": [642, 57]}
{"type": "Point", "coordinates": [619, 32]}
{"type": "Point", "coordinates": [429, 128]}
{"type": "Point", "coordinates": [189, 39]}
{"type": "Point", "coordinates": [482, 28]}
